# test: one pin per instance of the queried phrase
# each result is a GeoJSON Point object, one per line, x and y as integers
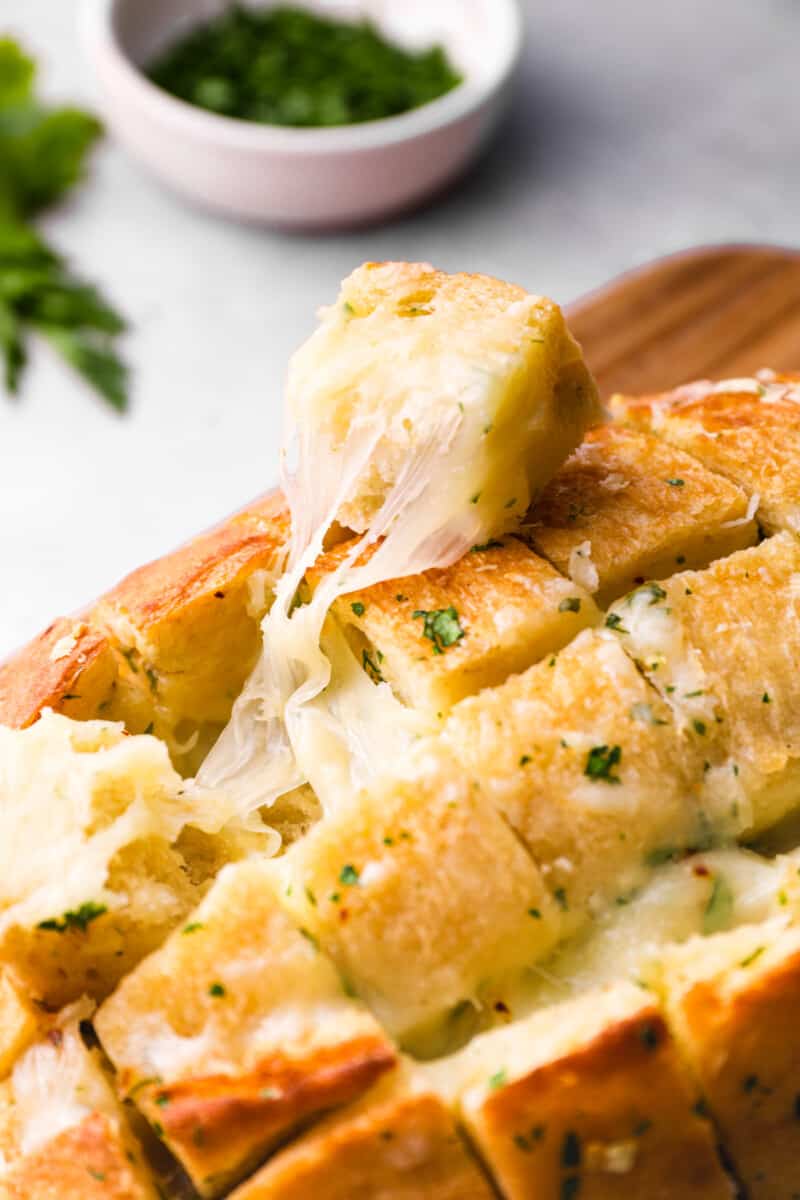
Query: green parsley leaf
{"type": "Point", "coordinates": [349, 876]}
{"type": "Point", "coordinates": [676, 482]}
{"type": "Point", "coordinates": [571, 604]}
{"type": "Point", "coordinates": [79, 918]}
{"type": "Point", "coordinates": [441, 626]}
{"type": "Point", "coordinates": [216, 990]}
{"type": "Point", "coordinates": [614, 621]}
{"type": "Point", "coordinates": [601, 761]}
{"type": "Point", "coordinates": [358, 608]}
{"type": "Point", "coordinates": [43, 153]}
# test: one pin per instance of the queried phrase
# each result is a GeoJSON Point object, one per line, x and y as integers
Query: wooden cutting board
{"type": "Point", "coordinates": [717, 311]}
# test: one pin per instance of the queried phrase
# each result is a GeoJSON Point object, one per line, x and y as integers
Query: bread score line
{"type": "Point", "coordinates": [355, 895]}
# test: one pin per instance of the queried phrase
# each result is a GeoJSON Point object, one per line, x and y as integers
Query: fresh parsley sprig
{"type": "Point", "coordinates": [43, 153]}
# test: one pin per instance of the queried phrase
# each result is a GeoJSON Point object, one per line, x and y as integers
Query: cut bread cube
{"type": "Point", "coordinates": [733, 1002]}
{"type": "Point", "coordinates": [747, 429]}
{"type": "Point", "coordinates": [589, 1099]}
{"type": "Point", "coordinates": [92, 878]}
{"type": "Point", "coordinates": [424, 363]}
{"type": "Point", "coordinates": [398, 1142]}
{"type": "Point", "coordinates": [186, 628]}
{"type": "Point", "coordinates": [445, 634]}
{"type": "Point", "coordinates": [394, 886]}
{"type": "Point", "coordinates": [582, 758]}
{"type": "Point", "coordinates": [70, 668]}
{"type": "Point", "coordinates": [62, 1132]}
{"type": "Point", "coordinates": [626, 507]}
{"type": "Point", "coordinates": [237, 1031]}
{"type": "Point", "coordinates": [721, 646]}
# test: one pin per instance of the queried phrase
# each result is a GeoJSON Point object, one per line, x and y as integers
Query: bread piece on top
{"type": "Point", "coordinates": [722, 647]}
{"type": "Point", "coordinates": [395, 885]}
{"type": "Point", "coordinates": [237, 1031]}
{"type": "Point", "coordinates": [185, 628]}
{"type": "Point", "coordinates": [445, 634]}
{"type": "Point", "coordinates": [62, 1133]}
{"type": "Point", "coordinates": [459, 363]}
{"type": "Point", "coordinates": [733, 1001]}
{"type": "Point", "coordinates": [399, 1142]}
{"type": "Point", "coordinates": [747, 429]}
{"type": "Point", "coordinates": [588, 1099]}
{"type": "Point", "coordinates": [626, 507]}
{"type": "Point", "coordinates": [583, 760]}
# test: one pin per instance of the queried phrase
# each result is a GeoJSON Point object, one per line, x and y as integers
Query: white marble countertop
{"type": "Point", "coordinates": [638, 129]}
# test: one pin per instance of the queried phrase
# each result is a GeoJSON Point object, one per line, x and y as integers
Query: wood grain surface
{"type": "Point", "coordinates": [717, 311]}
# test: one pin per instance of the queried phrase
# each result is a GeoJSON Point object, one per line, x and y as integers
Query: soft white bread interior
{"type": "Point", "coordinates": [62, 1131]}
{"type": "Point", "coordinates": [461, 365]}
{"type": "Point", "coordinates": [627, 507]}
{"type": "Point", "coordinates": [96, 854]}
{"type": "Point", "coordinates": [237, 1031]}
{"type": "Point", "coordinates": [721, 646]}
{"type": "Point", "coordinates": [746, 429]}
{"type": "Point", "coordinates": [588, 1098]}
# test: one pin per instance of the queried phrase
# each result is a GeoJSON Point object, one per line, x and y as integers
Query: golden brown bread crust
{"type": "Point", "coordinates": [745, 429]}
{"type": "Point", "coordinates": [616, 1117]}
{"type": "Point", "coordinates": [70, 668]}
{"type": "Point", "coordinates": [210, 1122]}
{"type": "Point", "coordinates": [513, 608]}
{"type": "Point", "coordinates": [87, 1162]}
{"type": "Point", "coordinates": [744, 1045]}
{"type": "Point", "coordinates": [403, 1147]}
{"type": "Point", "coordinates": [645, 508]}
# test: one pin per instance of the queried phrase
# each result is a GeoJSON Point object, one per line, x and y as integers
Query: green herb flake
{"type": "Point", "coordinates": [163, 1100]}
{"type": "Point", "coordinates": [98, 1175]}
{"type": "Point", "coordinates": [660, 855]}
{"type": "Point", "coordinates": [676, 483]}
{"type": "Point", "coordinates": [358, 608]}
{"type": "Point", "coordinates": [751, 958]}
{"type": "Point", "coordinates": [306, 933]}
{"type": "Point", "coordinates": [490, 545]}
{"type": "Point", "coordinates": [571, 604]}
{"type": "Point", "coordinates": [216, 990]}
{"type": "Point", "coordinates": [349, 876]}
{"type": "Point", "coordinates": [765, 699]}
{"type": "Point", "coordinates": [371, 667]}
{"type": "Point", "coordinates": [614, 621]}
{"type": "Point", "coordinates": [535, 913]}
{"type": "Point", "coordinates": [601, 762]}
{"type": "Point", "coordinates": [79, 918]}
{"type": "Point", "coordinates": [440, 626]}
{"type": "Point", "coordinates": [653, 590]}
{"type": "Point", "coordinates": [524, 760]}
{"type": "Point", "coordinates": [499, 1079]}
{"type": "Point", "coordinates": [719, 910]}
{"type": "Point", "coordinates": [699, 727]}
{"type": "Point", "coordinates": [193, 927]}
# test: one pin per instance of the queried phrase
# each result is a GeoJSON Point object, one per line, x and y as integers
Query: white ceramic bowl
{"type": "Point", "coordinates": [306, 178]}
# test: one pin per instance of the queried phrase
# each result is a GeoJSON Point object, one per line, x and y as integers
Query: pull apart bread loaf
{"type": "Point", "coordinates": [429, 828]}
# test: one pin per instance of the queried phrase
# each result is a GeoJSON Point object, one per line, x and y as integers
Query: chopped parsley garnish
{"type": "Point", "coordinates": [400, 598]}
{"type": "Point", "coordinates": [751, 958]}
{"type": "Point", "coordinates": [700, 727]}
{"type": "Point", "coordinates": [614, 621]}
{"type": "Point", "coordinates": [498, 1080]}
{"type": "Point", "coordinates": [162, 1101]}
{"type": "Point", "coordinates": [676, 482]}
{"type": "Point", "coordinates": [524, 760]}
{"type": "Point", "coordinates": [653, 590]}
{"type": "Point", "coordinates": [601, 761]}
{"type": "Point", "coordinates": [535, 913]}
{"type": "Point", "coordinates": [192, 927]}
{"type": "Point", "coordinates": [349, 876]}
{"type": "Point", "coordinates": [79, 918]}
{"type": "Point", "coordinates": [765, 699]}
{"type": "Point", "coordinates": [358, 608]}
{"type": "Point", "coordinates": [571, 604]}
{"type": "Point", "coordinates": [719, 909]}
{"type": "Point", "coordinates": [660, 855]}
{"type": "Point", "coordinates": [441, 626]}
{"type": "Point", "coordinates": [490, 545]}
{"type": "Point", "coordinates": [372, 669]}
{"type": "Point", "coordinates": [283, 65]}
{"type": "Point", "coordinates": [310, 938]}
{"type": "Point", "coordinates": [216, 990]}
